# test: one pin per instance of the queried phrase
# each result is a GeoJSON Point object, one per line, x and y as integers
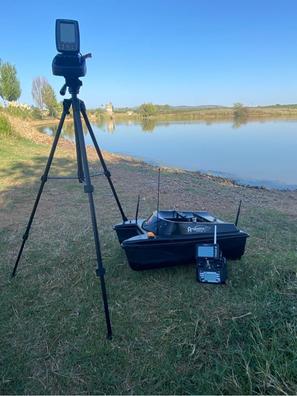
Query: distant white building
{"type": "Point", "coordinates": [109, 108]}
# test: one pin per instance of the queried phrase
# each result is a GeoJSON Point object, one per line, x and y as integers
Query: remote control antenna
{"type": "Point", "coordinates": [238, 213]}
{"type": "Point", "coordinates": [137, 209]}
{"type": "Point", "coordinates": [215, 235]}
{"type": "Point", "coordinates": [158, 200]}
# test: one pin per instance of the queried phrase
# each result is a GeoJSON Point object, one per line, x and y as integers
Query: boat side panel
{"type": "Point", "coordinates": [157, 255]}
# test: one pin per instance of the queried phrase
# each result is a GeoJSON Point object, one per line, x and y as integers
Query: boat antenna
{"type": "Point", "coordinates": [215, 235]}
{"type": "Point", "coordinates": [238, 213]}
{"type": "Point", "coordinates": [158, 200]}
{"type": "Point", "coordinates": [137, 209]}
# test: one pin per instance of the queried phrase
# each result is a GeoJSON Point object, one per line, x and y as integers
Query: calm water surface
{"type": "Point", "coordinates": [256, 153]}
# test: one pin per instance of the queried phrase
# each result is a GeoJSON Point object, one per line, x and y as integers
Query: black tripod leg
{"type": "Point", "coordinates": [66, 106]}
{"type": "Point", "coordinates": [88, 188]}
{"type": "Point", "coordinates": [106, 171]}
{"type": "Point", "coordinates": [80, 172]}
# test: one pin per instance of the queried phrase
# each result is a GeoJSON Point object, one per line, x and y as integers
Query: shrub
{"type": "Point", "coordinates": [36, 113]}
{"type": "Point", "coordinates": [147, 109]}
{"type": "Point", "coordinates": [5, 127]}
{"type": "Point", "coordinates": [19, 112]}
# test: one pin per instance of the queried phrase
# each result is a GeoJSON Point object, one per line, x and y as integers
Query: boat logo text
{"type": "Point", "coordinates": [196, 229]}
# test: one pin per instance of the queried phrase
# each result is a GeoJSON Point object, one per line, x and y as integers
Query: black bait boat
{"type": "Point", "coordinates": [169, 237]}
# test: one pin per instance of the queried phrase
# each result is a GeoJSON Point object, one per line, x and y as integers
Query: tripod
{"type": "Point", "coordinates": [83, 176]}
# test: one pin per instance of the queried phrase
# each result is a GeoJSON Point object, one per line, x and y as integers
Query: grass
{"type": "Point", "coordinates": [171, 334]}
{"type": "Point", "coordinates": [5, 127]}
{"type": "Point", "coordinates": [22, 113]}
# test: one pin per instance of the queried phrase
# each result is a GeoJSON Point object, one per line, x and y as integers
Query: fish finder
{"type": "Point", "coordinates": [67, 36]}
{"type": "Point", "coordinates": [69, 63]}
{"type": "Point", "coordinates": [211, 266]}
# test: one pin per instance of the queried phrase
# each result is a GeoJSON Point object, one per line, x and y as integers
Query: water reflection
{"type": "Point", "coordinates": [148, 124]}
{"type": "Point", "coordinates": [261, 152]}
{"type": "Point", "coordinates": [50, 130]}
{"type": "Point", "coordinates": [67, 131]}
{"type": "Point", "coordinates": [106, 126]}
{"type": "Point", "coordinates": [239, 120]}
{"type": "Point", "coordinates": [111, 125]}
{"type": "Point", "coordinates": [100, 124]}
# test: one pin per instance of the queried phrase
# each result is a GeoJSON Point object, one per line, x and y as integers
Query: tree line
{"type": "Point", "coordinates": [151, 109]}
{"type": "Point", "coordinates": [42, 92]}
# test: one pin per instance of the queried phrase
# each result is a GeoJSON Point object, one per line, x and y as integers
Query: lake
{"type": "Point", "coordinates": [258, 153]}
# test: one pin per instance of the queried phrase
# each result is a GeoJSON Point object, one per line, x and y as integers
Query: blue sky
{"type": "Point", "coordinates": [163, 51]}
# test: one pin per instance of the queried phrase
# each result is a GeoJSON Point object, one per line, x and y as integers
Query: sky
{"type": "Point", "coordinates": [186, 52]}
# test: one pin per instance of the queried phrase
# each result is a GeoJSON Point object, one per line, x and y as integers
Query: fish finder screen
{"type": "Point", "coordinates": [206, 251]}
{"type": "Point", "coordinates": [67, 35]}
{"type": "Point", "coordinates": [67, 32]}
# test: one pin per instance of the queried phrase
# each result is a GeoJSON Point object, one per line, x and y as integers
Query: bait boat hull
{"type": "Point", "coordinates": [174, 242]}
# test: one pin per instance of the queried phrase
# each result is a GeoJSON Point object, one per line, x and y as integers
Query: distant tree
{"type": "Point", "coordinates": [38, 85]}
{"type": "Point", "coordinates": [147, 109]}
{"type": "Point", "coordinates": [239, 110]}
{"type": "Point", "coordinates": [10, 88]}
{"type": "Point", "coordinates": [49, 99]}
{"type": "Point", "coordinates": [237, 105]}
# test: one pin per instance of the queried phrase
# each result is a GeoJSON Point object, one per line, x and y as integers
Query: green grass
{"type": "Point", "coordinates": [171, 334]}
{"type": "Point", "coordinates": [5, 127]}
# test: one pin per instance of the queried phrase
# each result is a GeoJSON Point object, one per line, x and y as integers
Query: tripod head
{"type": "Point", "coordinates": [69, 63]}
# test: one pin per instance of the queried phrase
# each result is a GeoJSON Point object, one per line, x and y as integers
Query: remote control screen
{"type": "Point", "coordinates": [206, 251]}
